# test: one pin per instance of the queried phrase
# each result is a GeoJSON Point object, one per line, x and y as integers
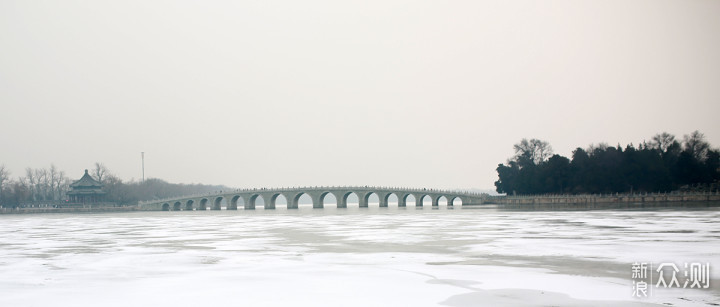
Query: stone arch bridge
{"type": "Point", "coordinates": [247, 198]}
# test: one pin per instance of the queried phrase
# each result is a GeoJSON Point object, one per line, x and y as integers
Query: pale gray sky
{"type": "Point", "coordinates": [409, 93]}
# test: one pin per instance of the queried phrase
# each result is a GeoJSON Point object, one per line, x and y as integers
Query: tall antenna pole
{"type": "Point", "coordinates": [142, 154]}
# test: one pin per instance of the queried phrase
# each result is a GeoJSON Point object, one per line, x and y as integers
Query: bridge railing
{"type": "Point", "coordinates": [306, 188]}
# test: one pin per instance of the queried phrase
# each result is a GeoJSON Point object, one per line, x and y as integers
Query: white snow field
{"type": "Point", "coordinates": [351, 257]}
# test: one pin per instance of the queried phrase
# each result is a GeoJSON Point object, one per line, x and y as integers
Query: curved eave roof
{"type": "Point", "coordinates": [86, 181]}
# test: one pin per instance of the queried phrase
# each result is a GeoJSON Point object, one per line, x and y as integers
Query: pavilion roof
{"type": "Point", "coordinates": [86, 181]}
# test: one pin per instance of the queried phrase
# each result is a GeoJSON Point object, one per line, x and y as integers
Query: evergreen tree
{"type": "Point", "coordinates": [661, 165]}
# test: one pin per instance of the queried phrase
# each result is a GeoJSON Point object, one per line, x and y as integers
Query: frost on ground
{"type": "Point", "coordinates": [353, 257]}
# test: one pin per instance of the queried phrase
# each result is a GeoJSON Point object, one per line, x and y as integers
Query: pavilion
{"type": "Point", "coordinates": [86, 190]}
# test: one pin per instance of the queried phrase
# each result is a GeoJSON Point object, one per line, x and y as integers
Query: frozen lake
{"type": "Point", "coordinates": [350, 257]}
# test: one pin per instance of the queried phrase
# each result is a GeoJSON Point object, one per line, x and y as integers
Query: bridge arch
{"type": "Point", "coordinates": [454, 201]}
{"type": "Point", "coordinates": [295, 202]}
{"type": "Point", "coordinates": [233, 205]}
{"type": "Point", "coordinates": [407, 198]}
{"type": "Point", "coordinates": [425, 200]}
{"type": "Point", "coordinates": [366, 199]}
{"type": "Point", "coordinates": [203, 204]}
{"type": "Point", "coordinates": [440, 199]}
{"type": "Point", "coordinates": [189, 205]}
{"type": "Point", "coordinates": [250, 204]}
{"type": "Point", "coordinates": [217, 204]}
{"type": "Point", "coordinates": [344, 199]}
{"type": "Point", "coordinates": [323, 198]}
{"type": "Point", "coordinates": [166, 207]}
{"type": "Point", "coordinates": [385, 198]}
{"type": "Point", "coordinates": [176, 206]}
{"type": "Point", "coordinates": [272, 204]}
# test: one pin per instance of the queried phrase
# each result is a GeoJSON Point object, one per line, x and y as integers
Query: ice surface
{"type": "Point", "coordinates": [353, 257]}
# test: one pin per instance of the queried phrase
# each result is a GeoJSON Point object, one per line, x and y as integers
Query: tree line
{"type": "Point", "coordinates": [40, 184]}
{"type": "Point", "coordinates": [660, 165]}
{"type": "Point", "coordinates": [49, 185]}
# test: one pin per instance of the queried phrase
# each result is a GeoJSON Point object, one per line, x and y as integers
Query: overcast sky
{"type": "Point", "coordinates": [404, 93]}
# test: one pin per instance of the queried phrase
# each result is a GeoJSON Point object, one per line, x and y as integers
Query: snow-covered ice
{"type": "Point", "coordinates": [353, 257]}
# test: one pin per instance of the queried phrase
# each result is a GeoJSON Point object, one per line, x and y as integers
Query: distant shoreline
{"type": "Point", "coordinates": [691, 205]}
{"type": "Point", "coordinates": [66, 210]}
{"type": "Point", "coordinates": [608, 201]}
{"type": "Point", "coordinates": [608, 206]}
{"type": "Point", "coordinates": [605, 198]}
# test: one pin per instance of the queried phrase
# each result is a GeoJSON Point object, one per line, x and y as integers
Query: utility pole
{"type": "Point", "coordinates": [142, 155]}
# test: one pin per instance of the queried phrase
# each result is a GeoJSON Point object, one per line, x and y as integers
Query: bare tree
{"type": "Point", "coordinates": [533, 151]}
{"type": "Point", "coordinates": [99, 172]}
{"type": "Point", "coordinates": [60, 186]}
{"type": "Point", "coordinates": [63, 186]}
{"type": "Point", "coordinates": [55, 183]}
{"type": "Point", "coordinates": [543, 150]}
{"type": "Point", "coordinates": [4, 177]}
{"type": "Point", "coordinates": [19, 192]}
{"type": "Point", "coordinates": [39, 183]}
{"type": "Point", "coordinates": [115, 188]}
{"type": "Point", "coordinates": [594, 147]}
{"type": "Point", "coordinates": [43, 180]}
{"type": "Point", "coordinates": [696, 146]}
{"type": "Point", "coordinates": [53, 173]}
{"type": "Point", "coordinates": [31, 183]}
{"type": "Point", "coordinates": [662, 141]}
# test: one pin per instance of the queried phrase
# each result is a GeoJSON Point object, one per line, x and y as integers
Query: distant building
{"type": "Point", "coordinates": [86, 190]}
